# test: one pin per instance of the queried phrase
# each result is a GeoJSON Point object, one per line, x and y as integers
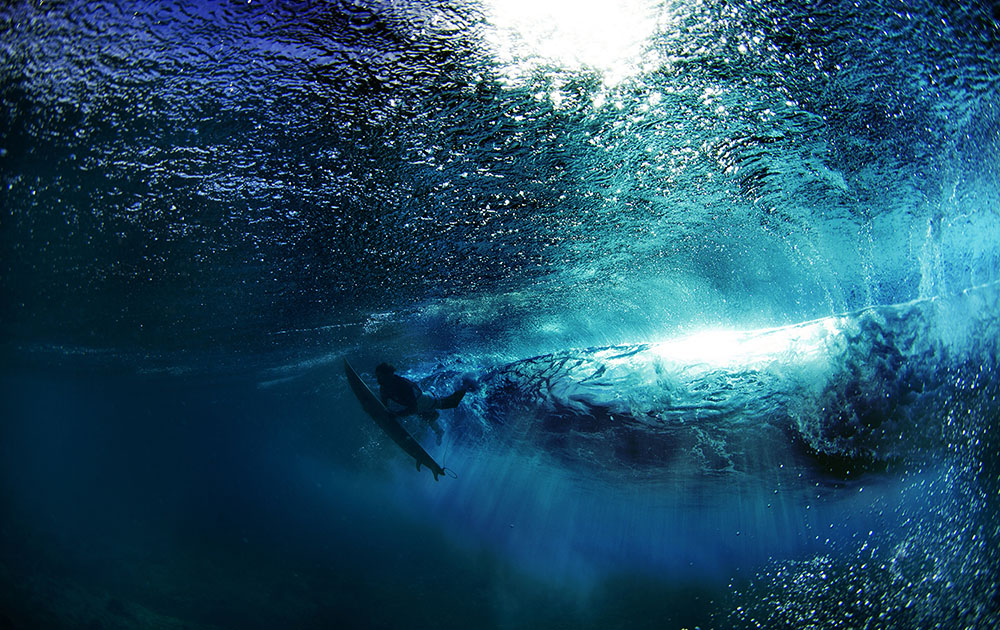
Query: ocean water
{"type": "Point", "coordinates": [722, 280]}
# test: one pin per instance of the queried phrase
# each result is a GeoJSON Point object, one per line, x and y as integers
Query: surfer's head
{"type": "Point", "coordinates": [383, 371]}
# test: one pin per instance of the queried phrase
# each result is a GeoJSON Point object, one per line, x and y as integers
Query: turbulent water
{"type": "Point", "coordinates": [722, 280]}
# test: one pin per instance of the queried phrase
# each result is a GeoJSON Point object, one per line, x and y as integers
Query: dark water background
{"type": "Point", "coordinates": [723, 276]}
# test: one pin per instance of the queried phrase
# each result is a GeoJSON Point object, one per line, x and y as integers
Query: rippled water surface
{"type": "Point", "coordinates": [722, 279]}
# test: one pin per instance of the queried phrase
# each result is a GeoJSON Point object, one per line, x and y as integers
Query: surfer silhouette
{"type": "Point", "coordinates": [409, 399]}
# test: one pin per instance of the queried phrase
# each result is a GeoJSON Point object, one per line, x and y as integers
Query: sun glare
{"type": "Point", "coordinates": [728, 348]}
{"type": "Point", "coordinates": [605, 36]}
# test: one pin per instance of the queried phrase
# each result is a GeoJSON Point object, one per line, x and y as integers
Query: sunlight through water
{"type": "Point", "coordinates": [722, 348]}
{"type": "Point", "coordinates": [609, 38]}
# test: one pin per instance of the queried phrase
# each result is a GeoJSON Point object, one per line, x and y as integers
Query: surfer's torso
{"type": "Point", "coordinates": [399, 390]}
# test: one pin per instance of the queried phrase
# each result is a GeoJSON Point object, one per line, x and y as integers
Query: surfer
{"type": "Point", "coordinates": [409, 398]}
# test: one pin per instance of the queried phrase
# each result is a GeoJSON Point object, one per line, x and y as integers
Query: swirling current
{"type": "Point", "coordinates": [721, 281]}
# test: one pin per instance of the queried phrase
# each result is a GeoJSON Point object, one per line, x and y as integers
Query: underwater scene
{"type": "Point", "coordinates": [499, 314]}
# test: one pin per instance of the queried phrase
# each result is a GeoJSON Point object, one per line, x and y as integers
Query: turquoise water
{"type": "Point", "coordinates": [723, 279]}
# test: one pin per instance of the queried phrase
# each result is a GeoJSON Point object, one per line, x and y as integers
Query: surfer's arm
{"type": "Point", "coordinates": [410, 409]}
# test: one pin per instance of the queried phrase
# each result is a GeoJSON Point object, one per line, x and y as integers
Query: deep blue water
{"type": "Point", "coordinates": [723, 279]}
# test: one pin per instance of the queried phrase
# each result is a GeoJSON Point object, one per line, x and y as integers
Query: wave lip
{"type": "Point", "coordinates": [849, 392]}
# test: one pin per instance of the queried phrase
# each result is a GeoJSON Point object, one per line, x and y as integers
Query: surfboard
{"type": "Point", "coordinates": [388, 422]}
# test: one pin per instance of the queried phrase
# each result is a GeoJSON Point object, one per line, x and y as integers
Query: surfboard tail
{"type": "Point", "coordinates": [432, 466]}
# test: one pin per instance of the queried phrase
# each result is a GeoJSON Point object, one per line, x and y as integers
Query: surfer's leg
{"type": "Point", "coordinates": [431, 418]}
{"type": "Point", "coordinates": [426, 403]}
{"type": "Point", "coordinates": [450, 402]}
